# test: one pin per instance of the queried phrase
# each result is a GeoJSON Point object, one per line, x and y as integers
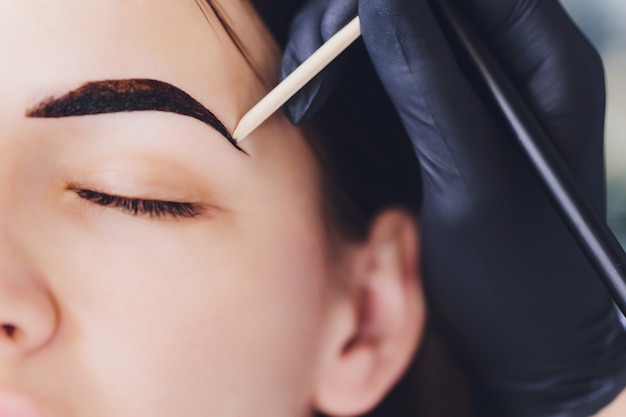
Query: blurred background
{"type": "Point", "coordinates": [604, 22]}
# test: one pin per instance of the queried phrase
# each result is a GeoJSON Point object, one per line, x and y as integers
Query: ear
{"type": "Point", "coordinates": [379, 321]}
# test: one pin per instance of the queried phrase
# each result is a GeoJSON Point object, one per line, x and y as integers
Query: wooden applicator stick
{"type": "Point", "coordinates": [297, 79]}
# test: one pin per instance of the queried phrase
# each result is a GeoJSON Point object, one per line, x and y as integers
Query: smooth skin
{"type": "Point", "coordinates": [241, 311]}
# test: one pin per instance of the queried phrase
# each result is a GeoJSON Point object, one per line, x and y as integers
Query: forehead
{"type": "Point", "coordinates": [55, 45]}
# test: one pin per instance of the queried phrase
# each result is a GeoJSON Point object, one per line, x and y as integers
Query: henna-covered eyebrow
{"type": "Point", "coordinates": [130, 95]}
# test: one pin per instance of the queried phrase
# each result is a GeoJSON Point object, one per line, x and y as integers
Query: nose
{"type": "Point", "coordinates": [28, 316]}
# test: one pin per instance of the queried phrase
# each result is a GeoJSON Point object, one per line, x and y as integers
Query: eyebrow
{"type": "Point", "coordinates": [130, 95]}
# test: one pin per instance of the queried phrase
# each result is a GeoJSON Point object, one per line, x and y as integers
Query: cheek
{"type": "Point", "coordinates": [194, 316]}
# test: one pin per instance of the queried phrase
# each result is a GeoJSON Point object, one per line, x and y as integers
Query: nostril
{"type": "Point", "coordinates": [9, 330]}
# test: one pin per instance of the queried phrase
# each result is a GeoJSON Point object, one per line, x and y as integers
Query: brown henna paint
{"type": "Point", "coordinates": [130, 95]}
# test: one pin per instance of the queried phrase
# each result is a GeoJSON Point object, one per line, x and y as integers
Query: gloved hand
{"type": "Point", "coordinates": [513, 292]}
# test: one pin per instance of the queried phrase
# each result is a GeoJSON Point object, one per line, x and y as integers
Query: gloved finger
{"type": "Point", "coordinates": [452, 132]}
{"type": "Point", "coordinates": [338, 14]}
{"type": "Point", "coordinates": [557, 71]}
{"type": "Point", "coordinates": [318, 21]}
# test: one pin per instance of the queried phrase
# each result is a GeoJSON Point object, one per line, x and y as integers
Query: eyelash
{"type": "Point", "coordinates": [142, 207]}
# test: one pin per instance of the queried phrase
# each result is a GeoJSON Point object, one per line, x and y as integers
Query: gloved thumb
{"type": "Point", "coordinates": [314, 25]}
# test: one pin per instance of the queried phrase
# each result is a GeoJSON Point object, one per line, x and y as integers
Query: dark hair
{"type": "Point", "coordinates": [368, 165]}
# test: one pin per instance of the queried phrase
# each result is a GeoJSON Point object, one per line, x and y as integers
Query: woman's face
{"type": "Point", "coordinates": [216, 310]}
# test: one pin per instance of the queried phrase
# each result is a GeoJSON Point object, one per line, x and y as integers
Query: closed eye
{"type": "Point", "coordinates": [142, 207]}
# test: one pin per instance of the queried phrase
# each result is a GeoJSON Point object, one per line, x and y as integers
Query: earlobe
{"type": "Point", "coordinates": [387, 311]}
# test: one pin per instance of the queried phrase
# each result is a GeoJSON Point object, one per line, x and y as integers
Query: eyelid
{"type": "Point", "coordinates": [156, 209]}
{"type": "Point", "coordinates": [120, 182]}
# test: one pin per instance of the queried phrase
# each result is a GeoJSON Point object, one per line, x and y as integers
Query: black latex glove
{"type": "Point", "coordinates": [515, 295]}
